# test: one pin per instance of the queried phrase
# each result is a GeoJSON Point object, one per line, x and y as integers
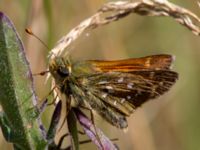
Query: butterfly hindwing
{"type": "Point", "coordinates": [132, 89]}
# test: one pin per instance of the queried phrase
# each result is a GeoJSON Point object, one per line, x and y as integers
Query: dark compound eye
{"type": "Point", "coordinates": [63, 72]}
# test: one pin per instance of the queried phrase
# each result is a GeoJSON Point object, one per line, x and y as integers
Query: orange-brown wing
{"type": "Point", "coordinates": [154, 62]}
{"type": "Point", "coordinates": [116, 88]}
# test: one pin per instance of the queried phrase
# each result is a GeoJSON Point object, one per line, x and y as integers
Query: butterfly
{"type": "Point", "coordinates": [113, 89]}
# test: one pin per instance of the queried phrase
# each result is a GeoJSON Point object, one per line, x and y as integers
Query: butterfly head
{"type": "Point", "coordinates": [60, 69]}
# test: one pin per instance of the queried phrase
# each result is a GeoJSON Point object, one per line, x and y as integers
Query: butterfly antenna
{"type": "Point", "coordinates": [29, 31]}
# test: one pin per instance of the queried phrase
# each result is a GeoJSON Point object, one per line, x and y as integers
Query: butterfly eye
{"type": "Point", "coordinates": [63, 72]}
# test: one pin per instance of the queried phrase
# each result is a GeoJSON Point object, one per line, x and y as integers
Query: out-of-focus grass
{"type": "Point", "coordinates": [170, 122]}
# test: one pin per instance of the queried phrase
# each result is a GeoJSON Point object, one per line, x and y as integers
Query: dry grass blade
{"type": "Point", "coordinates": [114, 11]}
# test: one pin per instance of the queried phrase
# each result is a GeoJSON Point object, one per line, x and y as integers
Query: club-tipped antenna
{"type": "Point", "coordinates": [29, 31]}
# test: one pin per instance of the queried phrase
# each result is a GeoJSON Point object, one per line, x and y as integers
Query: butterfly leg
{"type": "Point", "coordinates": [41, 73]}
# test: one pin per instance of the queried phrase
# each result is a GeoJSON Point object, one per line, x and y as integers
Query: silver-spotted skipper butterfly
{"type": "Point", "coordinates": [114, 89]}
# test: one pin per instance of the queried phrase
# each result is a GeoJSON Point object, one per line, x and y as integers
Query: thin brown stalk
{"type": "Point", "coordinates": [114, 11]}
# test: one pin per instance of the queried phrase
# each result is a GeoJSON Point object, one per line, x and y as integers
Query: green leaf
{"type": "Point", "coordinates": [17, 95]}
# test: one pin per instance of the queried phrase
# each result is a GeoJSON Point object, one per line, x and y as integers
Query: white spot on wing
{"type": "Point", "coordinates": [128, 97]}
{"type": "Point", "coordinates": [109, 87]}
{"type": "Point", "coordinates": [103, 82]}
{"type": "Point", "coordinates": [120, 80]}
{"type": "Point", "coordinates": [104, 95]}
{"type": "Point", "coordinates": [130, 85]}
{"type": "Point", "coordinates": [115, 103]}
{"type": "Point", "coordinates": [122, 100]}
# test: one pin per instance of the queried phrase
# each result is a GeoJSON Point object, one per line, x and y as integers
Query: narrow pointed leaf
{"type": "Point", "coordinates": [16, 91]}
{"type": "Point", "coordinates": [54, 123]}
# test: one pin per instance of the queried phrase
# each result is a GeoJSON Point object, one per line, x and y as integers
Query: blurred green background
{"type": "Point", "coordinates": [172, 121]}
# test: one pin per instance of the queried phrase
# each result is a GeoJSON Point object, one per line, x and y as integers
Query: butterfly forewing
{"type": "Point", "coordinates": [124, 85]}
{"type": "Point", "coordinates": [154, 62]}
{"type": "Point", "coordinates": [133, 88]}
